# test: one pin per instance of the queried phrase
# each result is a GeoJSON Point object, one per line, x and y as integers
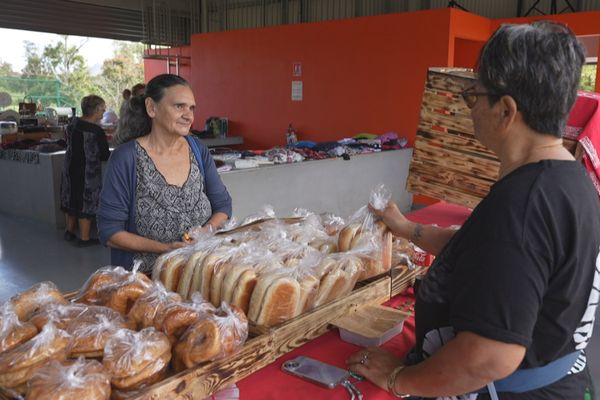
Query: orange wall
{"type": "Point", "coordinates": [359, 75]}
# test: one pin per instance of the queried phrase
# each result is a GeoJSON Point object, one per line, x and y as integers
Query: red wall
{"type": "Point", "coordinates": [359, 75]}
{"type": "Point", "coordinates": [153, 67]}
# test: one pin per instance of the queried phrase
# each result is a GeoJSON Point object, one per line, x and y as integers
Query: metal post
{"type": "Point", "coordinates": [204, 15]}
{"type": "Point", "coordinates": [519, 8]}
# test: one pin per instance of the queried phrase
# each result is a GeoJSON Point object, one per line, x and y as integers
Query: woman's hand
{"type": "Point", "coordinates": [374, 364]}
{"type": "Point", "coordinates": [175, 245]}
{"type": "Point", "coordinates": [394, 219]}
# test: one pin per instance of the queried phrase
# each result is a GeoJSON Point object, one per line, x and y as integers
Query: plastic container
{"type": "Point", "coordinates": [371, 325]}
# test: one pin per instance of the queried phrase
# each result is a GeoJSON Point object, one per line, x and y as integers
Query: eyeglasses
{"type": "Point", "coordinates": [471, 98]}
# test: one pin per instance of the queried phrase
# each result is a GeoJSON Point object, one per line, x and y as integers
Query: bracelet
{"type": "Point", "coordinates": [391, 383]}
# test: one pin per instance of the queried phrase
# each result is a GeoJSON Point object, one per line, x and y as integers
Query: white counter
{"type": "Point", "coordinates": [333, 185]}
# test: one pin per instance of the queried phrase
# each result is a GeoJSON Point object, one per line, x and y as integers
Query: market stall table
{"type": "Point", "coordinates": [271, 383]}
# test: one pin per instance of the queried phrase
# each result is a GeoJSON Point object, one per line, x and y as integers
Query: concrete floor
{"type": "Point", "coordinates": [32, 252]}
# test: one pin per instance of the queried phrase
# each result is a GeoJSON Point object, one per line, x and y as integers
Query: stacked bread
{"type": "Point", "coordinates": [259, 269]}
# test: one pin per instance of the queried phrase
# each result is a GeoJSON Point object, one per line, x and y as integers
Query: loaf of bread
{"type": "Point", "coordinates": [70, 380]}
{"type": "Point", "coordinates": [187, 284]}
{"type": "Point", "coordinates": [136, 359]}
{"type": "Point", "coordinates": [274, 299]}
{"type": "Point", "coordinates": [347, 235]}
{"type": "Point", "coordinates": [169, 268]}
{"type": "Point", "coordinates": [238, 286]}
{"type": "Point", "coordinates": [339, 280]}
{"type": "Point", "coordinates": [37, 296]}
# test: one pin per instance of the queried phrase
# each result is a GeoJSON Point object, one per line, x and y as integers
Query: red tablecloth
{"type": "Point", "coordinates": [271, 383]}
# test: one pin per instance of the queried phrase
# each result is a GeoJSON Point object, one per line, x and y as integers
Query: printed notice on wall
{"type": "Point", "coordinates": [296, 90]}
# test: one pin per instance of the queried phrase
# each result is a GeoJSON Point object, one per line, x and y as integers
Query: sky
{"type": "Point", "coordinates": [12, 47]}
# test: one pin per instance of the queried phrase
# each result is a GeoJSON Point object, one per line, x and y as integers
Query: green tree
{"type": "Point", "coordinates": [588, 77]}
{"type": "Point", "coordinates": [35, 65]}
{"type": "Point", "coordinates": [68, 66]}
{"type": "Point", "coordinates": [123, 70]}
{"type": "Point", "coordinates": [6, 69]}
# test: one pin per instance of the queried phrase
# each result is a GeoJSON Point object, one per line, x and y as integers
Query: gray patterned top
{"type": "Point", "coordinates": [164, 211]}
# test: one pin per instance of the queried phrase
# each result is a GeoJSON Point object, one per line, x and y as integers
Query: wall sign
{"type": "Point", "coordinates": [296, 90]}
{"type": "Point", "coordinates": [297, 69]}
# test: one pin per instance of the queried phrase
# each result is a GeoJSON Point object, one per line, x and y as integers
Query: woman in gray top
{"type": "Point", "coordinates": [160, 182]}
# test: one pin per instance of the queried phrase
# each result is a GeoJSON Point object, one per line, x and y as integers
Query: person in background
{"type": "Point", "coordinates": [126, 94]}
{"type": "Point", "coordinates": [82, 175]}
{"type": "Point", "coordinates": [160, 181]}
{"type": "Point", "coordinates": [507, 308]}
{"type": "Point", "coordinates": [138, 89]}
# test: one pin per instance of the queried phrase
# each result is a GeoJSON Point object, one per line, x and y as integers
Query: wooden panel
{"type": "Point", "coordinates": [448, 101]}
{"type": "Point", "coordinates": [458, 161]}
{"type": "Point", "coordinates": [464, 143]}
{"type": "Point", "coordinates": [458, 123]}
{"type": "Point", "coordinates": [416, 185]}
{"type": "Point", "coordinates": [451, 79]}
{"type": "Point", "coordinates": [431, 173]}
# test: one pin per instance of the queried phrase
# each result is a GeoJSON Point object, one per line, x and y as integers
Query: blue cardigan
{"type": "Point", "coordinates": [116, 211]}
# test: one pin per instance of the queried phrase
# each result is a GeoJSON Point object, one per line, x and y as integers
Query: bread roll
{"type": "Point", "coordinates": [309, 288]}
{"type": "Point", "coordinates": [238, 286]}
{"type": "Point", "coordinates": [339, 281]}
{"type": "Point", "coordinates": [172, 269]}
{"type": "Point", "coordinates": [150, 304]}
{"type": "Point", "coordinates": [18, 364]}
{"type": "Point", "coordinates": [133, 359]}
{"type": "Point", "coordinates": [187, 285]}
{"type": "Point", "coordinates": [274, 300]}
{"type": "Point", "coordinates": [91, 332]}
{"type": "Point", "coordinates": [70, 380]}
{"type": "Point", "coordinates": [346, 235]}
{"type": "Point", "coordinates": [199, 344]}
{"type": "Point", "coordinates": [37, 296]}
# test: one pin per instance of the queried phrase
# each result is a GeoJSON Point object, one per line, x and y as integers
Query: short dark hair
{"type": "Point", "coordinates": [136, 87]}
{"type": "Point", "coordinates": [134, 121]}
{"type": "Point", "coordinates": [539, 66]}
{"type": "Point", "coordinates": [91, 104]}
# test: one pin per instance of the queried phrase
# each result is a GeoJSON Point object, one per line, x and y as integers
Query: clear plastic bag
{"type": "Point", "coordinates": [168, 267]}
{"type": "Point", "coordinates": [340, 272]}
{"type": "Point", "coordinates": [13, 332]}
{"type": "Point", "coordinates": [380, 197]}
{"type": "Point", "coordinates": [213, 338]}
{"type": "Point", "coordinates": [150, 304]}
{"type": "Point", "coordinates": [114, 287]}
{"type": "Point", "coordinates": [18, 364]}
{"type": "Point", "coordinates": [32, 299]}
{"type": "Point", "coordinates": [332, 223]}
{"type": "Point", "coordinates": [176, 317]}
{"type": "Point", "coordinates": [91, 331]}
{"type": "Point", "coordinates": [267, 212]}
{"type": "Point", "coordinates": [190, 277]}
{"type": "Point", "coordinates": [73, 379]}
{"type": "Point", "coordinates": [136, 359]}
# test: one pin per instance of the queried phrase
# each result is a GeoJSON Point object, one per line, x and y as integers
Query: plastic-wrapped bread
{"type": "Point", "coordinates": [375, 253]}
{"type": "Point", "coordinates": [275, 299]}
{"type": "Point", "coordinates": [346, 235]}
{"type": "Point", "coordinates": [59, 314]}
{"type": "Point", "coordinates": [136, 359]}
{"type": "Point", "coordinates": [175, 317]}
{"type": "Point", "coordinates": [70, 380]}
{"type": "Point", "coordinates": [206, 245]}
{"type": "Point", "coordinates": [18, 364]}
{"type": "Point", "coordinates": [91, 332]}
{"type": "Point", "coordinates": [238, 286]}
{"type": "Point", "coordinates": [37, 296]}
{"type": "Point", "coordinates": [213, 264]}
{"type": "Point", "coordinates": [340, 279]}
{"type": "Point", "coordinates": [150, 304]}
{"type": "Point", "coordinates": [305, 274]}
{"type": "Point", "coordinates": [13, 332]}
{"type": "Point", "coordinates": [116, 288]}
{"type": "Point", "coordinates": [212, 339]}
{"type": "Point", "coordinates": [169, 267]}
{"type": "Point", "coordinates": [95, 288]}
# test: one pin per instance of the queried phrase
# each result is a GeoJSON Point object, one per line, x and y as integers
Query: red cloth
{"type": "Point", "coordinates": [271, 383]}
{"type": "Point", "coordinates": [586, 115]}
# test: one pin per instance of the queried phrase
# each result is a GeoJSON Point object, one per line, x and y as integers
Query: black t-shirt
{"type": "Point", "coordinates": [521, 270]}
